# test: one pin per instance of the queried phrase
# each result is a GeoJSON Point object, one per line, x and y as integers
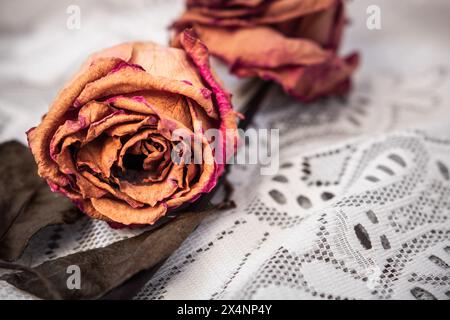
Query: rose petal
{"type": "Point", "coordinates": [127, 80]}
{"type": "Point", "coordinates": [106, 187]}
{"type": "Point", "coordinates": [107, 140]}
{"type": "Point", "coordinates": [311, 82]}
{"type": "Point", "coordinates": [275, 12]}
{"type": "Point", "coordinates": [206, 182]}
{"type": "Point", "coordinates": [152, 193]}
{"type": "Point", "coordinates": [249, 47]}
{"type": "Point", "coordinates": [88, 114]}
{"type": "Point", "coordinates": [200, 57]}
{"type": "Point", "coordinates": [97, 128]}
{"type": "Point", "coordinates": [301, 54]}
{"type": "Point", "coordinates": [39, 138]}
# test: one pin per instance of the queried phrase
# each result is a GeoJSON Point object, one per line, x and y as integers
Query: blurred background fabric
{"type": "Point", "coordinates": [360, 206]}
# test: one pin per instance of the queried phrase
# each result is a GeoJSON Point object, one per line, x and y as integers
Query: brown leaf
{"type": "Point", "coordinates": [103, 269]}
{"type": "Point", "coordinates": [108, 147]}
{"type": "Point", "coordinates": [119, 270]}
{"type": "Point", "coordinates": [26, 202]}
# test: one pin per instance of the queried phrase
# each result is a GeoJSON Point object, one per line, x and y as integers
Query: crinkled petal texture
{"type": "Point", "coordinates": [108, 140]}
{"type": "Point", "coordinates": [292, 42]}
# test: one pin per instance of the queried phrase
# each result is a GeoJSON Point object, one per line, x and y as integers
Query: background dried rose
{"type": "Point", "coordinates": [106, 140]}
{"type": "Point", "coordinates": [292, 42]}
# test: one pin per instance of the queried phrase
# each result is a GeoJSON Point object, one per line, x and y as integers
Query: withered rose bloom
{"type": "Point", "coordinates": [292, 42]}
{"type": "Point", "coordinates": [106, 141]}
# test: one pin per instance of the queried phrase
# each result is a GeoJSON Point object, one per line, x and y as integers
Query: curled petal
{"type": "Point", "coordinates": [39, 138]}
{"type": "Point", "coordinates": [258, 53]}
{"type": "Point", "coordinates": [100, 155]}
{"type": "Point", "coordinates": [310, 82]}
{"type": "Point", "coordinates": [200, 56]}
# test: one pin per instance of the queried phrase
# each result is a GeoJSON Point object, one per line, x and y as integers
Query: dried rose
{"type": "Point", "coordinates": [108, 139]}
{"type": "Point", "coordinates": [292, 42]}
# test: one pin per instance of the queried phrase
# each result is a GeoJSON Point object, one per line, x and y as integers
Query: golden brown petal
{"type": "Point", "coordinates": [283, 10]}
{"type": "Point", "coordinates": [152, 193]}
{"type": "Point", "coordinates": [93, 180]}
{"type": "Point", "coordinates": [205, 183]}
{"type": "Point", "coordinates": [143, 135]}
{"type": "Point", "coordinates": [130, 79]}
{"type": "Point", "coordinates": [106, 141]}
{"type": "Point", "coordinates": [120, 212]}
{"type": "Point", "coordinates": [87, 115]}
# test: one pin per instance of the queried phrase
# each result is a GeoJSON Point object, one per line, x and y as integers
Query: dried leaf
{"type": "Point", "coordinates": [26, 202]}
{"type": "Point", "coordinates": [103, 269]}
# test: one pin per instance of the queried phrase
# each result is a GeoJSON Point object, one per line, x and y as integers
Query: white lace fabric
{"type": "Point", "coordinates": [359, 208]}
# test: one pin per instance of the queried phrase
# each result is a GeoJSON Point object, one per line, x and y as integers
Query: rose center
{"type": "Point", "coordinates": [134, 161]}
